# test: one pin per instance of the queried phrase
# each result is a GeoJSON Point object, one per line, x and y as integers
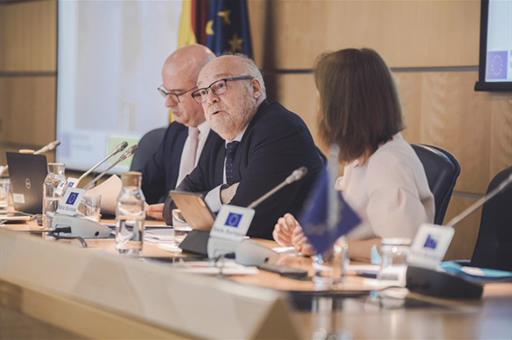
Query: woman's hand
{"type": "Point", "coordinates": [301, 243]}
{"type": "Point", "coordinates": [283, 230]}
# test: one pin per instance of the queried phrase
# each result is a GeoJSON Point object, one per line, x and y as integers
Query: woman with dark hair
{"type": "Point", "coordinates": [383, 179]}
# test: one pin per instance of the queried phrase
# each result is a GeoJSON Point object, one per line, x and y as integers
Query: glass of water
{"type": "Point", "coordinates": [393, 253]}
{"type": "Point", "coordinates": [90, 207]}
{"type": "Point", "coordinates": [130, 215]}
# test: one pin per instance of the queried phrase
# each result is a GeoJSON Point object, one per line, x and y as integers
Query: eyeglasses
{"type": "Point", "coordinates": [174, 94]}
{"type": "Point", "coordinates": [218, 87]}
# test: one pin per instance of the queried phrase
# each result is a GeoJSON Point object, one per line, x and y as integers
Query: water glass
{"type": "Point", "coordinates": [91, 207]}
{"type": "Point", "coordinates": [393, 253]}
{"type": "Point", "coordinates": [329, 269]}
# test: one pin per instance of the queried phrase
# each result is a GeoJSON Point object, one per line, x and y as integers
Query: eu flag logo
{"type": "Point", "coordinates": [228, 28]}
{"type": "Point", "coordinates": [430, 243]}
{"type": "Point", "coordinates": [72, 198]}
{"type": "Point", "coordinates": [233, 220]}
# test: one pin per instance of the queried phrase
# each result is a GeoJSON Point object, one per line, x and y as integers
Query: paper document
{"type": "Point", "coordinates": [228, 267]}
{"type": "Point", "coordinates": [109, 190]}
{"type": "Point", "coordinates": [284, 250]}
{"type": "Point", "coordinates": [160, 235]}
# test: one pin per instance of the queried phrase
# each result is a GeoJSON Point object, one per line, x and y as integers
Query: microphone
{"type": "Point", "coordinates": [465, 213]}
{"type": "Point", "coordinates": [442, 284]}
{"type": "Point", "coordinates": [295, 176]}
{"type": "Point", "coordinates": [48, 147]}
{"type": "Point", "coordinates": [126, 154]}
{"type": "Point", "coordinates": [116, 150]}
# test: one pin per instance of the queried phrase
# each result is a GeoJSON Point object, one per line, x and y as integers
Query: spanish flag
{"type": "Point", "coordinates": [194, 16]}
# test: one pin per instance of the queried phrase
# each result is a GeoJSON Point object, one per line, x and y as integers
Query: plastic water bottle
{"type": "Point", "coordinates": [54, 187]}
{"type": "Point", "coordinates": [130, 215]}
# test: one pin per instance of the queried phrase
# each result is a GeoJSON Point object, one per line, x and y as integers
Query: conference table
{"type": "Point", "coordinates": [355, 309]}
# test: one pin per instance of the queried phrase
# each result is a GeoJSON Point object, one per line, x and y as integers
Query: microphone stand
{"type": "Point", "coordinates": [130, 151]}
{"type": "Point", "coordinates": [295, 176]}
{"type": "Point", "coordinates": [117, 150]}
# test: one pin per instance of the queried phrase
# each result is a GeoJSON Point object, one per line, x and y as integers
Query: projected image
{"type": "Point", "coordinates": [499, 42]}
{"type": "Point", "coordinates": [497, 65]}
{"type": "Point", "coordinates": [110, 59]}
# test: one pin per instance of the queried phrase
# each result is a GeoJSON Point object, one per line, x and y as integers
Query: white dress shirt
{"type": "Point", "coordinates": [184, 170]}
{"type": "Point", "coordinates": [390, 192]}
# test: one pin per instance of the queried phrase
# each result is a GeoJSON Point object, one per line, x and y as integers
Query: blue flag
{"type": "Point", "coordinates": [327, 216]}
{"type": "Point", "coordinates": [228, 27]}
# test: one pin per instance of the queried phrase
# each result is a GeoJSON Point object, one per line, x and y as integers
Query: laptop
{"type": "Point", "coordinates": [194, 209]}
{"type": "Point", "coordinates": [27, 173]}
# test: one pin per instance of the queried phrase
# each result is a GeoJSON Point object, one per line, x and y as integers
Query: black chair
{"type": "Point", "coordinates": [494, 244]}
{"type": "Point", "coordinates": [442, 170]}
{"type": "Point", "coordinates": [148, 145]}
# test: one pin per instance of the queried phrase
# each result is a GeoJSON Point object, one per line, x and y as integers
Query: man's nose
{"type": "Point", "coordinates": [170, 101]}
{"type": "Point", "coordinates": [212, 98]}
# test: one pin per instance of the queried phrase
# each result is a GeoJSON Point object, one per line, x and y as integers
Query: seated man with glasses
{"type": "Point", "coordinates": [184, 139]}
{"type": "Point", "coordinates": [261, 143]}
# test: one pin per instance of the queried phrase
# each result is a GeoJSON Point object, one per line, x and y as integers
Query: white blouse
{"type": "Point", "coordinates": [390, 192]}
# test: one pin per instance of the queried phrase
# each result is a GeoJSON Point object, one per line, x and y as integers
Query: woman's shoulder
{"type": "Point", "coordinates": [396, 158]}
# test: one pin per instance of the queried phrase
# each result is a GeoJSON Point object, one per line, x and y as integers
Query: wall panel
{"type": "Point", "coordinates": [29, 36]}
{"type": "Point", "coordinates": [27, 110]}
{"type": "Point", "coordinates": [407, 33]}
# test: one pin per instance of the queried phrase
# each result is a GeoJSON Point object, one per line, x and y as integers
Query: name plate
{"type": "Point", "coordinates": [232, 222]}
{"type": "Point", "coordinates": [72, 182]}
{"type": "Point", "coordinates": [430, 245]}
{"type": "Point", "coordinates": [68, 204]}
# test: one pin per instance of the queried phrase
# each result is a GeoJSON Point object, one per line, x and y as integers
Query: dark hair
{"type": "Point", "coordinates": [359, 103]}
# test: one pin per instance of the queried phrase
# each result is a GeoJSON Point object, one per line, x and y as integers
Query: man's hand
{"type": "Point", "coordinates": [155, 211]}
{"type": "Point", "coordinates": [226, 195]}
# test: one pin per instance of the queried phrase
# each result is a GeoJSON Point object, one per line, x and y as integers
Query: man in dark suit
{"type": "Point", "coordinates": [259, 144]}
{"type": "Point", "coordinates": [184, 139]}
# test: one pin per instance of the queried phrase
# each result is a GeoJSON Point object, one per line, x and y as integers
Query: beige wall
{"type": "Point", "coordinates": [431, 45]}
{"type": "Point", "coordinates": [28, 40]}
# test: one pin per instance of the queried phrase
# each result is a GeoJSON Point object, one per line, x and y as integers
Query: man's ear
{"type": "Point", "coordinates": [256, 88]}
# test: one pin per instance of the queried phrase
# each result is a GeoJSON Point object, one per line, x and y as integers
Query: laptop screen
{"type": "Point", "coordinates": [27, 173]}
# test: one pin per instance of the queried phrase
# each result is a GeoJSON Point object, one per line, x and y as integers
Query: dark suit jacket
{"type": "Point", "coordinates": [161, 172]}
{"type": "Point", "coordinates": [275, 143]}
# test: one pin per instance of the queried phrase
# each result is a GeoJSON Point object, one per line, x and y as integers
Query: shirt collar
{"type": "Point", "coordinates": [239, 137]}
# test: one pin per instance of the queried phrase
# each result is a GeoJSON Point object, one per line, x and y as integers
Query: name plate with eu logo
{"type": "Point", "coordinates": [68, 204]}
{"type": "Point", "coordinates": [232, 222]}
{"type": "Point", "coordinates": [430, 245]}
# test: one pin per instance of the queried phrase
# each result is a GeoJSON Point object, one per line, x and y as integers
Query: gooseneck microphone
{"type": "Point", "coordinates": [295, 176]}
{"type": "Point", "coordinates": [126, 154]}
{"type": "Point", "coordinates": [442, 284]}
{"type": "Point", "coordinates": [114, 152]}
{"type": "Point", "coordinates": [48, 147]}
{"type": "Point", "coordinates": [480, 202]}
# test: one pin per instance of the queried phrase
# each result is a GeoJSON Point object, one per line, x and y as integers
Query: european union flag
{"type": "Point", "coordinates": [327, 215]}
{"type": "Point", "coordinates": [228, 27]}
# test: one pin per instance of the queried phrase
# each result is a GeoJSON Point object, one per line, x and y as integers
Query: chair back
{"type": "Point", "coordinates": [148, 145]}
{"type": "Point", "coordinates": [442, 170]}
{"type": "Point", "coordinates": [494, 244]}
